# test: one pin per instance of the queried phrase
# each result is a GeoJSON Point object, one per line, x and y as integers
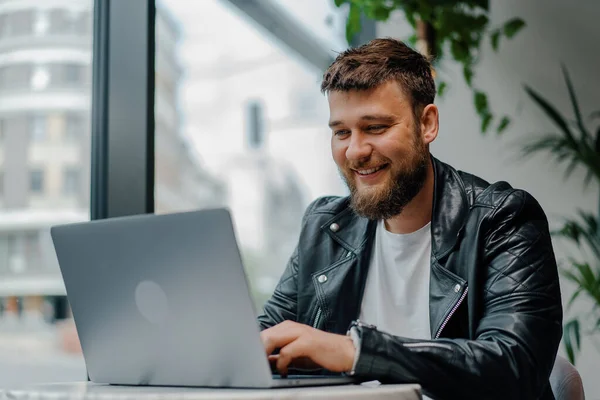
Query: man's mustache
{"type": "Point", "coordinates": [367, 164]}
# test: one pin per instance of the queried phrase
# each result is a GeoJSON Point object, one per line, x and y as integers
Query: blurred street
{"type": "Point", "coordinates": [31, 351]}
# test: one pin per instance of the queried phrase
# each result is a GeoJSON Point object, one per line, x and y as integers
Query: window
{"type": "Point", "coordinates": [260, 158]}
{"type": "Point", "coordinates": [82, 22]}
{"type": "Point", "coordinates": [37, 190]}
{"type": "Point", "coordinates": [16, 76]}
{"type": "Point", "coordinates": [72, 73]}
{"type": "Point", "coordinates": [70, 180]}
{"type": "Point", "coordinates": [57, 21]}
{"type": "Point", "coordinates": [36, 181]}
{"type": "Point", "coordinates": [66, 75]}
{"type": "Point", "coordinates": [17, 23]}
{"type": "Point", "coordinates": [74, 127]}
{"type": "Point", "coordinates": [4, 27]}
{"type": "Point", "coordinates": [37, 127]}
{"type": "Point", "coordinates": [69, 21]}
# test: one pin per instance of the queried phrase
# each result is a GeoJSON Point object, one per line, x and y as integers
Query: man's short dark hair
{"type": "Point", "coordinates": [380, 61]}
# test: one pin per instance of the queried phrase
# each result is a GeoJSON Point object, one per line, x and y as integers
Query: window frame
{"type": "Point", "coordinates": [122, 175]}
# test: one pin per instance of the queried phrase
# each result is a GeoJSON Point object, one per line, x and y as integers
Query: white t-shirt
{"type": "Point", "coordinates": [396, 297]}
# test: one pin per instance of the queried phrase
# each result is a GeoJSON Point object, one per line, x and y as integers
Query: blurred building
{"type": "Point", "coordinates": [45, 108]}
{"type": "Point", "coordinates": [181, 182]}
{"type": "Point", "coordinates": [267, 201]}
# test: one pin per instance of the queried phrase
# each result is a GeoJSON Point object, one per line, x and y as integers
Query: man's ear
{"type": "Point", "coordinates": [429, 123]}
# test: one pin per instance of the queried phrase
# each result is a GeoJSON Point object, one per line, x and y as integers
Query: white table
{"type": "Point", "coordinates": [88, 390]}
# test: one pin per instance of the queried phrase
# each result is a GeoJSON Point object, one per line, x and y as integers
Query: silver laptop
{"type": "Point", "coordinates": [164, 300]}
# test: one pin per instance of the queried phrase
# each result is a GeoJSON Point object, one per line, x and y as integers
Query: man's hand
{"type": "Point", "coordinates": [302, 342]}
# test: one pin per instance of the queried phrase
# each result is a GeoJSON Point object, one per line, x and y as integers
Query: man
{"type": "Point", "coordinates": [424, 274]}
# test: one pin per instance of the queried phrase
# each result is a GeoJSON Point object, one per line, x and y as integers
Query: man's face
{"type": "Point", "coordinates": [378, 149]}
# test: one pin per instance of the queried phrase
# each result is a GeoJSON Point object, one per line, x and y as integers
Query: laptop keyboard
{"type": "Point", "coordinates": [305, 376]}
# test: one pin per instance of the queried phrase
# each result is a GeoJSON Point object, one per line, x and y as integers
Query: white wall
{"type": "Point", "coordinates": [558, 32]}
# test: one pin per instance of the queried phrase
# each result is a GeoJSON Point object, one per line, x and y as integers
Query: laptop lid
{"type": "Point", "coordinates": [162, 300]}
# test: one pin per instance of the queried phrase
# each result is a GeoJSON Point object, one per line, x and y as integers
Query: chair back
{"type": "Point", "coordinates": [565, 381]}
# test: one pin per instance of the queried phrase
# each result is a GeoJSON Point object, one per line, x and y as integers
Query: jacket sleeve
{"type": "Point", "coordinates": [283, 303]}
{"type": "Point", "coordinates": [516, 341]}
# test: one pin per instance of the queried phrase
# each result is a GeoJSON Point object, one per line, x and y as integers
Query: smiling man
{"type": "Point", "coordinates": [424, 273]}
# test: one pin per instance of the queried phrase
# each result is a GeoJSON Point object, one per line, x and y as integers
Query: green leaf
{"type": "Point", "coordinates": [484, 4]}
{"type": "Point", "coordinates": [583, 230]}
{"type": "Point", "coordinates": [572, 339]}
{"type": "Point", "coordinates": [571, 167]}
{"type": "Point", "coordinates": [574, 296]}
{"type": "Point", "coordinates": [380, 12]}
{"type": "Point", "coordinates": [353, 25]}
{"type": "Point", "coordinates": [574, 102]}
{"type": "Point", "coordinates": [495, 39]}
{"type": "Point", "coordinates": [513, 26]}
{"type": "Point", "coordinates": [410, 17]}
{"type": "Point", "coordinates": [587, 276]}
{"type": "Point", "coordinates": [486, 120]}
{"type": "Point", "coordinates": [570, 275]}
{"type": "Point", "coordinates": [552, 113]}
{"type": "Point", "coordinates": [588, 178]}
{"type": "Point", "coordinates": [481, 103]}
{"type": "Point", "coordinates": [460, 51]}
{"type": "Point", "coordinates": [504, 122]}
{"type": "Point", "coordinates": [441, 88]}
{"type": "Point", "coordinates": [412, 40]}
{"type": "Point", "coordinates": [338, 3]}
{"type": "Point", "coordinates": [468, 74]}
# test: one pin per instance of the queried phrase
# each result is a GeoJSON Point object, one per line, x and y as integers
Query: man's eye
{"type": "Point", "coordinates": [342, 132]}
{"type": "Point", "coordinates": [373, 128]}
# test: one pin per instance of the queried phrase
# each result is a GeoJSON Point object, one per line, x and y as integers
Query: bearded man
{"type": "Point", "coordinates": [424, 274]}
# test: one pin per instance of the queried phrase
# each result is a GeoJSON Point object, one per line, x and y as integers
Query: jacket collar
{"type": "Point", "coordinates": [450, 209]}
{"type": "Point", "coordinates": [350, 230]}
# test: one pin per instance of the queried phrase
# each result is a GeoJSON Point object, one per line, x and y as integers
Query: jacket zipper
{"type": "Point", "coordinates": [428, 344]}
{"type": "Point", "coordinates": [319, 314]}
{"type": "Point", "coordinates": [458, 303]}
{"type": "Point", "coordinates": [317, 318]}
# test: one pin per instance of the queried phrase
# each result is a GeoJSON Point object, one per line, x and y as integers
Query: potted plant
{"type": "Point", "coordinates": [575, 145]}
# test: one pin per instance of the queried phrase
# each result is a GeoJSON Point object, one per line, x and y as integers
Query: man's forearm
{"type": "Point", "coordinates": [451, 368]}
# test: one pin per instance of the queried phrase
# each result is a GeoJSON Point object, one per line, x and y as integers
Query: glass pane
{"type": "Point", "coordinates": [242, 113]}
{"type": "Point", "coordinates": [45, 101]}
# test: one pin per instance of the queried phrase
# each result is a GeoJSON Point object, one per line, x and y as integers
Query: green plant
{"type": "Point", "coordinates": [577, 146]}
{"type": "Point", "coordinates": [460, 25]}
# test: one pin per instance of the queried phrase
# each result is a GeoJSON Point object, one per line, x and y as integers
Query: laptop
{"type": "Point", "coordinates": [163, 300]}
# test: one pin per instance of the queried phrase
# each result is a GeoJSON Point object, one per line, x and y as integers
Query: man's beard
{"type": "Point", "coordinates": [406, 181]}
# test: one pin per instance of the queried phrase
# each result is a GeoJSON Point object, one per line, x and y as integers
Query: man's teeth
{"type": "Point", "coordinates": [370, 171]}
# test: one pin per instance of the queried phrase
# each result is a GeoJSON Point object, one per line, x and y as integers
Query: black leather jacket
{"type": "Point", "coordinates": [494, 302]}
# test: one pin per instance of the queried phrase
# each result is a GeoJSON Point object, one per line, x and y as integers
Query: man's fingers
{"type": "Point", "coordinates": [280, 335]}
{"type": "Point", "coordinates": [304, 363]}
{"type": "Point", "coordinates": [300, 363]}
{"type": "Point", "coordinates": [287, 354]}
{"type": "Point", "coordinates": [282, 364]}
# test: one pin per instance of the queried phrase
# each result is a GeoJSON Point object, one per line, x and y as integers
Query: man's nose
{"type": "Point", "coordinates": [358, 149]}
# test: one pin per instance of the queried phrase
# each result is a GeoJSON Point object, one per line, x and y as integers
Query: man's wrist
{"type": "Point", "coordinates": [355, 337]}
